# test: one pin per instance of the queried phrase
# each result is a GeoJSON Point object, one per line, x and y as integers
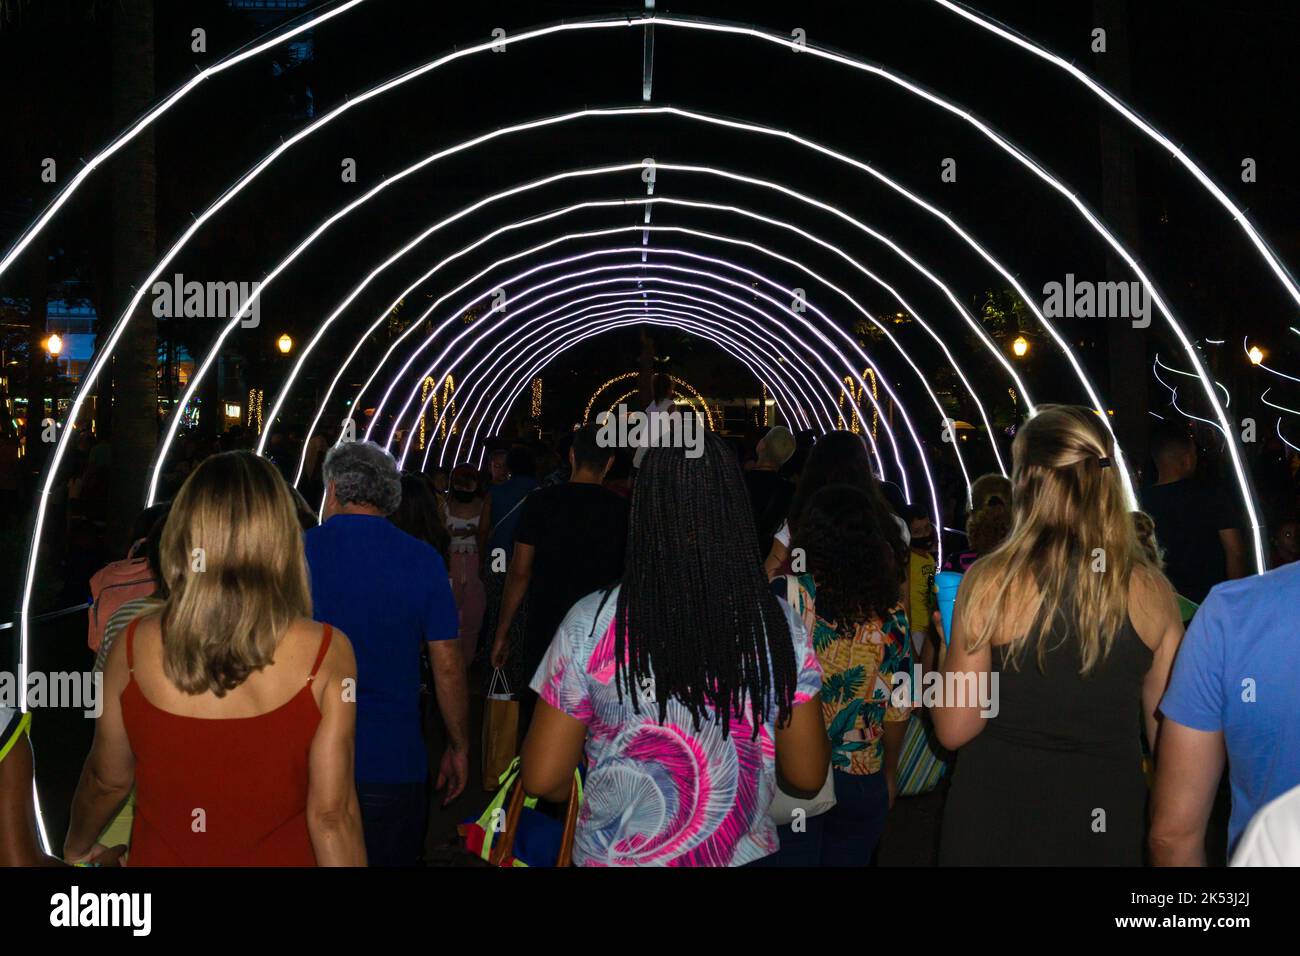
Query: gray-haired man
{"type": "Point", "coordinates": [389, 592]}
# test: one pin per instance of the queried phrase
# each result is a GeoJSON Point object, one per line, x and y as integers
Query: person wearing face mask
{"type": "Point", "coordinates": [920, 578]}
{"type": "Point", "coordinates": [465, 504]}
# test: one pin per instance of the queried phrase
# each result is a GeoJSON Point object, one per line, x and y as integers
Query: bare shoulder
{"type": "Point", "coordinates": [340, 661]}
{"type": "Point", "coordinates": [146, 639]}
{"type": "Point", "coordinates": [1152, 605]}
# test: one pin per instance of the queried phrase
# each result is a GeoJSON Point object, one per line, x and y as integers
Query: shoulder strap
{"type": "Point", "coordinates": [320, 654]}
{"type": "Point", "coordinates": [497, 521]}
{"type": "Point", "coordinates": [130, 648]}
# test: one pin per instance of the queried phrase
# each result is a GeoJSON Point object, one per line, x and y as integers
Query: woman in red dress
{"type": "Point", "coordinates": [228, 710]}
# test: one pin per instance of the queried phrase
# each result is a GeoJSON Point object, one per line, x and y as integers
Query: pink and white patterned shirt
{"type": "Point", "coordinates": [663, 794]}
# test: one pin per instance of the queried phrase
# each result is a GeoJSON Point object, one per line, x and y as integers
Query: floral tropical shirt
{"type": "Point", "coordinates": [858, 666]}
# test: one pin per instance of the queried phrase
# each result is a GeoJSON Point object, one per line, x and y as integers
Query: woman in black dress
{"type": "Point", "coordinates": [1068, 631]}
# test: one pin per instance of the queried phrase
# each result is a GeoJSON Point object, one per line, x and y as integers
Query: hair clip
{"type": "Point", "coordinates": [1103, 461]}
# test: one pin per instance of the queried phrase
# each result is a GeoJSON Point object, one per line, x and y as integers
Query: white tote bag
{"type": "Point", "coordinates": [785, 806]}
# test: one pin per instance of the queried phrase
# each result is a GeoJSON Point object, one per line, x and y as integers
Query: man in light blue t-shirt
{"type": "Point", "coordinates": [1235, 692]}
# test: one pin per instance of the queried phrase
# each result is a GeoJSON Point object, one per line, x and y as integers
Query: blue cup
{"type": "Point", "coordinates": [945, 586]}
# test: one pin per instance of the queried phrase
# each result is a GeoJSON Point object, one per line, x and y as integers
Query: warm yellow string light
{"type": "Point", "coordinates": [696, 400]}
{"type": "Point", "coordinates": [255, 397]}
{"type": "Point", "coordinates": [537, 399]}
{"type": "Point", "coordinates": [856, 389]}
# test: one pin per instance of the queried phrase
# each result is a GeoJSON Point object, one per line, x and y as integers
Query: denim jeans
{"type": "Point", "coordinates": [845, 835]}
{"type": "Point", "coordinates": [394, 817]}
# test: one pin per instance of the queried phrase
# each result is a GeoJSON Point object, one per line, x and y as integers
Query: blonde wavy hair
{"type": "Point", "coordinates": [1072, 544]}
{"type": "Point", "coordinates": [232, 559]}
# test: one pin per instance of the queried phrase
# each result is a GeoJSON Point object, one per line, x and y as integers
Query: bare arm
{"type": "Point", "coordinates": [109, 771]}
{"type": "Point", "coordinates": [517, 579]}
{"type": "Point", "coordinates": [1153, 609]}
{"type": "Point", "coordinates": [1234, 552]}
{"type": "Point", "coordinates": [893, 733]}
{"type": "Point", "coordinates": [18, 843]}
{"type": "Point", "coordinates": [448, 663]}
{"type": "Point", "coordinates": [1189, 764]}
{"type": "Point", "coordinates": [803, 751]}
{"type": "Point", "coordinates": [551, 752]}
{"type": "Point", "coordinates": [775, 558]}
{"type": "Point", "coordinates": [958, 722]}
{"type": "Point", "coordinates": [333, 813]}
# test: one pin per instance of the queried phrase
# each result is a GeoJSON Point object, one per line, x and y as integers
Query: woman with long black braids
{"type": "Point", "coordinates": [688, 686]}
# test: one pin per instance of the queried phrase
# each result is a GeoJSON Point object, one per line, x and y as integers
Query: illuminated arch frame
{"type": "Point", "coordinates": [702, 308]}
{"type": "Point", "coordinates": [671, 304]}
{"type": "Point", "coordinates": [97, 365]}
{"type": "Point", "coordinates": [703, 321]}
{"type": "Point", "coordinates": [511, 305]}
{"type": "Point", "coordinates": [851, 300]}
{"type": "Point", "coordinates": [1067, 352]}
{"type": "Point", "coordinates": [635, 267]}
{"type": "Point", "coordinates": [756, 350]}
{"type": "Point", "coordinates": [393, 347]}
{"type": "Point", "coordinates": [475, 331]}
{"type": "Point", "coordinates": [647, 20]}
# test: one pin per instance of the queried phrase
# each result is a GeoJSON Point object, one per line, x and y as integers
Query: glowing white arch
{"type": "Point", "coordinates": [670, 305]}
{"type": "Point", "coordinates": [744, 351]}
{"type": "Point", "coordinates": [705, 306]}
{"type": "Point", "coordinates": [731, 124]}
{"type": "Point", "coordinates": [703, 318]}
{"type": "Point", "coordinates": [415, 325]}
{"type": "Point", "coordinates": [147, 120]}
{"type": "Point", "coordinates": [712, 277]}
{"type": "Point", "coordinates": [92, 373]}
{"type": "Point", "coordinates": [644, 268]}
{"type": "Point", "coordinates": [705, 309]}
{"type": "Point", "coordinates": [962, 312]}
{"type": "Point", "coordinates": [1143, 126]}
{"type": "Point", "coordinates": [512, 395]}
{"type": "Point", "coordinates": [645, 21]}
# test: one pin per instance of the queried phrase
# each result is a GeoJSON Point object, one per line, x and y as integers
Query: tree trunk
{"type": "Point", "coordinates": [646, 379]}
{"type": "Point", "coordinates": [38, 306]}
{"type": "Point", "coordinates": [134, 228]}
{"type": "Point", "coordinates": [1126, 346]}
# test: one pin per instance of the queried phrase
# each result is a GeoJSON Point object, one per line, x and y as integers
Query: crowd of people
{"type": "Point", "coordinates": [730, 646]}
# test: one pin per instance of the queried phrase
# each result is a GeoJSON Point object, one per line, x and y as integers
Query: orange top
{"type": "Point", "coordinates": [221, 791]}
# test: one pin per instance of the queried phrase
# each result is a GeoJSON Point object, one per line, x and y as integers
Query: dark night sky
{"type": "Point", "coordinates": [1220, 77]}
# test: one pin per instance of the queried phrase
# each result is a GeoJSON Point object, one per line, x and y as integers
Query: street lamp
{"type": "Point", "coordinates": [1020, 346]}
{"type": "Point", "coordinates": [54, 345]}
{"type": "Point", "coordinates": [1256, 355]}
{"type": "Point", "coordinates": [284, 343]}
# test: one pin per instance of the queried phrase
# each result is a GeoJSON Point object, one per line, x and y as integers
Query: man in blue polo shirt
{"type": "Point", "coordinates": [389, 592]}
{"type": "Point", "coordinates": [1234, 694]}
